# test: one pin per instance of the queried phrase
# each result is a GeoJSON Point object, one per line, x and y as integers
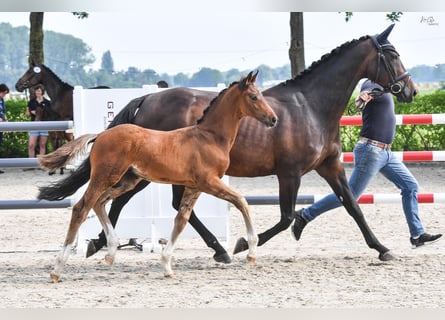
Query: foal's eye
{"type": "Point", "coordinates": [254, 98]}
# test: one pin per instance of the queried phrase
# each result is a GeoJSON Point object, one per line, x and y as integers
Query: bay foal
{"type": "Point", "coordinates": [195, 157]}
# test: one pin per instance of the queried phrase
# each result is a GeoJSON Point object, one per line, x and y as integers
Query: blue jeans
{"type": "Point", "coordinates": [368, 161]}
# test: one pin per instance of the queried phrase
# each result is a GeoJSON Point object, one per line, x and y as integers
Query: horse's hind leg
{"type": "Point", "coordinates": [110, 233]}
{"type": "Point", "coordinates": [185, 208]}
{"type": "Point", "coordinates": [78, 216]}
{"type": "Point", "coordinates": [116, 207]}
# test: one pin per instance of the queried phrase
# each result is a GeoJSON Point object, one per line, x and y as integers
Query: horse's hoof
{"type": "Point", "coordinates": [109, 260]}
{"type": "Point", "coordinates": [54, 277]}
{"type": "Point", "coordinates": [387, 256]}
{"type": "Point", "coordinates": [170, 276]}
{"type": "Point", "coordinates": [251, 259]}
{"type": "Point", "coordinates": [223, 258]}
{"type": "Point", "coordinates": [94, 245]}
{"type": "Point", "coordinates": [51, 173]}
{"type": "Point", "coordinates": [241, 245]}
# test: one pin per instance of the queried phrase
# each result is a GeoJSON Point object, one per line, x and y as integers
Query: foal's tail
{"type": "Point", "coordinates": [60, 157]}
{"type": "Point", "coordinates": [128, 113]}
{"type": "Point", "coordinates": [63, 188]}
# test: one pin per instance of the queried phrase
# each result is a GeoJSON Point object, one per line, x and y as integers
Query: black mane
{"type": "Point", "coordinates": [324, 58]}
{"type": "Point", "coordinates": [57, 77]}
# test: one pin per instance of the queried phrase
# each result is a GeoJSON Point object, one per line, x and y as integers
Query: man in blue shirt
{"type": "Point", "coordinates": [372, 154]}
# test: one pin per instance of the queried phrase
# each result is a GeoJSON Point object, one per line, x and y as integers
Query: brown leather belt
{"type": "Point", "coordinates": [375, 143]}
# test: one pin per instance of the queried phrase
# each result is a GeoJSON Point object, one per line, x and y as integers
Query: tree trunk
{"type": "Point", "coordinates": [296, 50]}
{"type": "Point", "coordinates": [36, 38]}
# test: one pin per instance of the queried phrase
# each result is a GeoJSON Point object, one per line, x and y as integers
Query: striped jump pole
{"type": "Point", "coordinates": [401, 119]}
{"type": "Point", "coordinates": [364, 199]}
{"type": "Point", "coordinates": [405, 156]}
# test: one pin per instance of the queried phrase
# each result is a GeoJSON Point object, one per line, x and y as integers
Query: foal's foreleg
{"type": "Point", "coordinates": [222, 191]}
{"type": "Point", "coordinates": [185, 208]}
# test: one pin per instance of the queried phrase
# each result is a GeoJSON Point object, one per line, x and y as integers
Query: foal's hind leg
{"type": "Point", "coordinates": [185, 208]}
{"type": "Point", "coordinates": [110, 233]}
{"type": "Point", "coordinates": [78, 216]}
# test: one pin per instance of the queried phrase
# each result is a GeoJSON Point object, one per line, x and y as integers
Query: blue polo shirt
{"type": "Point", "coordinates": [378, 117]}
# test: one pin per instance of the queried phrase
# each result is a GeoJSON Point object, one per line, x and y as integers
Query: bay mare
{"type": "Point", "coordinates": [196, 157]}
{"type": "Point", "coordinates": [307, 136]}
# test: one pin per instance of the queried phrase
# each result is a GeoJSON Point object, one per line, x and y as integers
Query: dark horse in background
{"type": "Point", "coordinates": [307, 137]}
{"type": "Point", "coordinates": [60, 94]}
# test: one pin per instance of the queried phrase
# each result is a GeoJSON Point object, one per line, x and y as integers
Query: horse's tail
{"type": "Point", "coordinates": [128, 113]}
{"type": "Point", "coordinates": [63, 188]}
{"type": "Point", "coordinates": [60, 157]}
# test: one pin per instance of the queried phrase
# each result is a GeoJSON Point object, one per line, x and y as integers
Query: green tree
{"type": "Point", "coordinates": [107, 63]}
{"type": "Point", "coordinates": [180, 80]}
{"type": "Point", "coordinates": [206, 77]}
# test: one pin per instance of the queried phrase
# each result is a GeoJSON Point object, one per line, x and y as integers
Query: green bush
{"type": "Point", "coordinates": [15, 144]}
{"type": "Point", "coordinates": [409, 137]}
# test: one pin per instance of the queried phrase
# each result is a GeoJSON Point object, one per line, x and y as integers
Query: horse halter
{"type": "Point", "coordinates": [36, 70]}
{"type": "Point", "coordinates": [395, 86]}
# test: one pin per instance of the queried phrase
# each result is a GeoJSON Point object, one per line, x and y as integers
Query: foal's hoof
{"type": "Point", "coordinates": [387, 256]}
{"type": "Point", "coordinates": [241, 245]}
{"type": "Point", "coordinates": [223, 258]}
{"type": "Point", "coordinates": [251, 259]}
{"type": "Point", "coordinates": [170, 276]}
{"type": "Point", "coordinates": [109, 260]}
{"type": "Point", "coordinates": [54, 277]}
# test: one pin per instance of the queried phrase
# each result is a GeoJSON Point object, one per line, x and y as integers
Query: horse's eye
{"type": "Point", "coordinates": [254, 98]}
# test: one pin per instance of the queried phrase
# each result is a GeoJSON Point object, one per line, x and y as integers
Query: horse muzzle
{"type": "Point", "coordinates": [270, 122]}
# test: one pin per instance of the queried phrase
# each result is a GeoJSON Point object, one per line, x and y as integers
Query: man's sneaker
{"type": "Point", "coordinates": [299, 224]}
{"type": "Point", "coordinates": [424, 238]}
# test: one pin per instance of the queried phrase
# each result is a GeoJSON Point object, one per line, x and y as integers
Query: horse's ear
{"type": "Point", "coordinates": [253, 77]}
{"type": "Point", "coordinates": [384, 35]}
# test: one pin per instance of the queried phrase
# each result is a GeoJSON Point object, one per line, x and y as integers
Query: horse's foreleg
{"type": "Point", "coordinates": [208, 237]}
{"type": "Point", "coordinates": [78, 216]}
{"type": "Point", "coordinates": [288, 187]}
{"type": "Point", "coordinates": [340, 186]}
{"type": "Point", "coordinates": [187, 203]}
{"type": "Point", "coordinates": [222, 191]}
{"type": "Point", "coordinates": [110, 233]}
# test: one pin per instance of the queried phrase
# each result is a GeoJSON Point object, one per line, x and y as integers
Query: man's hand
{"type": "Point", "coordinates": [362, 100]}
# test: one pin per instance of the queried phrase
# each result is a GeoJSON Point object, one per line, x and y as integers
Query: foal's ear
{"type": "Point", "coordinates": [250, 79]}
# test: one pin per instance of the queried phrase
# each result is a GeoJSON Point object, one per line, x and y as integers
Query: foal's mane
{"type": "Point", "coordinates": [57, 77]}
{"type": "Point", "coordinates": [325, 58]}
{"type": "Point", "coordinates": [213, 102]}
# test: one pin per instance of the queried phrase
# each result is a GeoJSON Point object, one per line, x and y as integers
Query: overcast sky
{"type": "Point", "coordinates": [185, 42]}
